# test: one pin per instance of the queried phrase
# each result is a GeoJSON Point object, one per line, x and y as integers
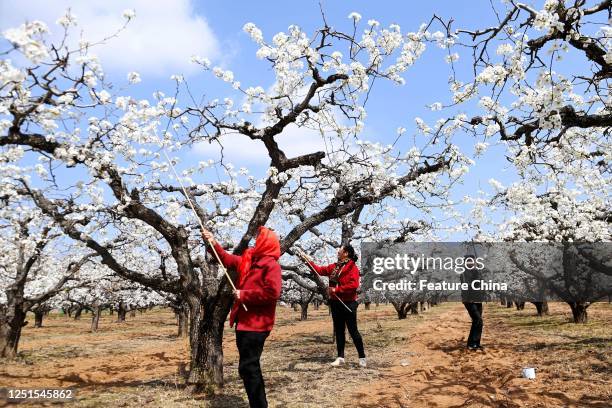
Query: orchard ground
{"type": "Point", "coordinates": [416, 362]}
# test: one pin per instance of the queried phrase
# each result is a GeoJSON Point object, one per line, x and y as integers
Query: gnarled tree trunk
{"type": "Point", "coordinates": [12, 319]}
{"type": "Point", "coordinates": [121, 312]}
{"type": "Point", "coordinates": [206, 342]}
{"type": "Point", "coordinates": [304, 310]}
{"type": "Point", "coordinates": [182, 317]}
{"type": "Point", "coordinates": [541, 307]}
{"type": "Point", "coordinates": [401, 308]}
{"type": "Point", "coordinates": [579, 311]}
{"type": "Point", "coordinates": [38, 318]}
{"type": "Point", "coordinates": [95, 317]}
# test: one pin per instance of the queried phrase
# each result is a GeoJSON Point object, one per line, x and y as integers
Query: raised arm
{"type": "Point", "coordinates": [230, 261]}
{"type": "Point", "coordinates": [322, 270]}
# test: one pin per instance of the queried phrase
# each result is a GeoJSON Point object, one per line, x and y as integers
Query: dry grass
{"type": "Point", "coordinates": [419, 361]}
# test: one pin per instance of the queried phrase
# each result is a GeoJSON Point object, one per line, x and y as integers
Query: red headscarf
{"type": "Point", "coordinates": [266, 245]}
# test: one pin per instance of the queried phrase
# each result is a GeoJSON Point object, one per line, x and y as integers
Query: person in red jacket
{"type": "Point", "coordinates": [258, 287]}
{"type": "Point", "coordinates": [343, 285]}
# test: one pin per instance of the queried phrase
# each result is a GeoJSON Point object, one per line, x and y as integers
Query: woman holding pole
{"type": "Point", "coordinates": [258, 288]}
{"type": "Point", "coordinates": [343, 284]}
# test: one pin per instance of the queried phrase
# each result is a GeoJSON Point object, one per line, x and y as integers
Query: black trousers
{"type": "Point", "coordinates": [250, 345]}
{"type": "Point", "coordinates": [475, 311]}
{"type": "Point", "coordinates": [343, 319]}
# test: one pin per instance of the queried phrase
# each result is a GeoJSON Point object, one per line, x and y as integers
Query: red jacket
{"type": "Point", "coordinates": [259, 290]}
{"type": "Point", "coordinates": [348, 281]}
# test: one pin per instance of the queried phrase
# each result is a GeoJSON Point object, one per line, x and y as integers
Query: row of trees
{"type": "Point", "coordinates": [83, 165]}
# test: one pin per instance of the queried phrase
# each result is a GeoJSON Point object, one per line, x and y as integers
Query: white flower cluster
{"type": "Point", "coordinates": [27, 39]}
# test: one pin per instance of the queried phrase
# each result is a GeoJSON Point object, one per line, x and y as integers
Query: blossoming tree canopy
{"type": "Point", "coordinates": [93, 159]}
{"type": "Point", "coordinates": [35, 265]}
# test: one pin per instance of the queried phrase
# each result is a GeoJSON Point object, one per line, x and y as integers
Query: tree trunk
{"type": "Point", "coordinates": [579, 311]}
{"type": "Point", "coordinates": [206, 342]}
{"type": "Point", "coordinates": [520, 305]}
{"type": "Point", "coordinates": [77, 313]}
{"type": "Point", "coordinates": [508, 303]}
{"type": "Point", "coordinates": [316, 305]}
{"type": "Point", "coordinates": [95, 318]}
{"type": "Point", "coordinates": [38, 318]}
{"type": "Point", "coordinates": [133, 313]}
{"type": "Point", "coordinates": [12, 319]}
{"type": "Point", "coordinates": [121, 312]}
{"type": "Point", "coordinates": [542, 308]}
{"type": "Point", "coordinates": [304, 310]}
{"type": "Point", "coordinates": [367, 305]}
{"type": "Point", "coordinates": [182, 316]}
{"type": "Point", "coordinates": [401, 309]}
{"type": "Point", "coordinates": [414, 308]}
{"type": "Point", "coordinates": [545, 307]}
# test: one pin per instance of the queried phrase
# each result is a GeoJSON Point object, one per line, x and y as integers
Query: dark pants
{"type": "Point", "coordinates": [343, 319]}
{"type": "Point", "coordinates": [250, 345]}
{"type": "Point", "coordinates": [475, 311]}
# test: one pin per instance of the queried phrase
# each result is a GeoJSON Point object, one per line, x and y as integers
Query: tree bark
{"type": "Point", "coordinates": [206, 342]}
{"type": "Point", "coordinates": [304, 311]}
{"type": "Point", "coordinates": [12, 319]}
{"type": "Point", "coordinates": [77, 313]}
{"type": "Point", "coordinates": [542, 308]}
{"type": "Point", "coordinates": [401, 308]}
{"type": "Point", "coordinates": [121, 312]}
{"type": "Point", "coordinates": [95, 318]}
{"type": "Point", "coordinates": [579, 311]}
{"type": "Point", "coordinates": [182, 316]}
{"type": "Point", "coordinates": [38, 318]}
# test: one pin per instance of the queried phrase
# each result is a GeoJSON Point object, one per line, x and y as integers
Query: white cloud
{"type": "Point", "coordinates": [159, 41]}
{"type": "Point", "coordinates": [240, 150]}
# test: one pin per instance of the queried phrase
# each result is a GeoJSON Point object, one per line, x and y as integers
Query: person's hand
{"type": "Point", "coordinates": [304, 256]}
{"type": "Point", "coordinates": [331, 292]}
{"type": "Point", "coordinates": [208, 236]}
{"type": "Point", "coordinates": [236, 294]}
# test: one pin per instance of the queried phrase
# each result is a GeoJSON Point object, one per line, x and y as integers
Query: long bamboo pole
{"type": "Point", "coordinates": [201, 225]}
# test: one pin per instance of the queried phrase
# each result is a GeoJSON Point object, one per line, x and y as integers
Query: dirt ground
{"type": "Point", "coordinates": [417, 362]}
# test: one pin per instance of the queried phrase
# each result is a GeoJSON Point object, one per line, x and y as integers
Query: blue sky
{"type": "Point", "coordinates": [164, 34]}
